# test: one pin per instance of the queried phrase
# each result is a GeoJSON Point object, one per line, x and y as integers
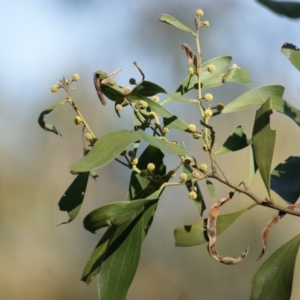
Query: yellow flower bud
{"type": "Point", "coordinates": [127, 90]}
{"type": "Point", "coordinates": [152, 115]}
{"type": "Point", "coordinates": [77, 120]}
{"type": "Point", "coordinates": [75, 77]}
{"type": "Point", "coordinates": [208, 113]}
{"type": "Point", "coordinates": [166, 129]}
{"type": "Point", "coordinates": [211, 68]}
{"type": "Point", "coordinates": [203, 168]}
{"type": "Point", "coordinates": [135, 161]}
{"type": "Point", "coordinates": [192, 128]}
{"type": "Point", "coordinates": [197, 136]}
{"type": "Point", "coordinates": [193, 195]}
{"type": "Point", "coordinates": [195, 174]}
{"type": "Point", "coordinates": [172, 174]}
{"type": "Point", "coordinates": [155, 98]}
{"type": "Point", "coordinates": [143, 104]}
{"type": "Point", "coordinates": [208, 97]}
{"type": "Point", "coordinates": [119, 107]}
{"type": "Point", "coordinates": [191, 70]}
{"type": "Point", "coordinates": [199, 12]}
{"type": "Point", "coordinates": [88, 136]}
{"type": "Point", "coordinates": [205, 23]}
{"type": "Point", "coordinates": [150, 167]}
{"type": "Point", "coordinates": [54, 88]}
{"type": "Point", "coordinates": [205, 148]}
{"type": "Point", "coordinates": [183, 177]}
{"type": "Point", "coordinates": [187, 160]}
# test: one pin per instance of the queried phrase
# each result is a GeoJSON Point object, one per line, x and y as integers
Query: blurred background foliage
{"type": "Point", "coordinates": [43, 40]}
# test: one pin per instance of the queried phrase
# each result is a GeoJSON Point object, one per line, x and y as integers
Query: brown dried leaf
{"type": "Point", "coordinates": [190, 54]}
{"type": "Point", "coordinates": [212, 234]}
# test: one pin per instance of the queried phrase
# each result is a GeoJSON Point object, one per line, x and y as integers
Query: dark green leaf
{"type": "Point", "coordinates": [114, 214]}
{"type": "Point", "coordinates": [174, 22]}
{"type": "Point", "coordinates": [263, 138]}
{"type": "Point", "coordinates": [49, 127]}
{"type": "Point", "coordinates": [288, 9]}
{"type": "Point", "coordinates": [195, 234]}
{"type": "Point", "coordinates": [147, 89]}
{"type": "Point", "coordinates": [72, 199]}
{"type": "Point", "coordinates": [292, 52]}
{"type": "Point", "coordinates": [236, 141]}
{"type": "Point", "coordinates": [274, 279]}
{"type": "Point", "coordinates": [106, 149]}
{"type": "Point", "coordinates": [285, 179]}
{"type": "Point", "coordinates": [112, 91]}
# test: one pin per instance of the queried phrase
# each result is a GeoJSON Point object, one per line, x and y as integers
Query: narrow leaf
{"type": "Point", "coordinates": [210, 188]}
{"type": "Point", "coordinates": [113, 214]}
{"type": "Point", "coordinates": [105, 150]}
{"type": "Point", "coordinates": [285, 179]}
{"type": "Point", "coordinates": [264, 142]}
{"type": "Point", "coordinates": [49, 127]}
{"type": "Point", "coordinates": [274, 279]}
{"type": "Point", "coordinates": [72, 199]}
{"type": "Point", "coordinates": [236, 141]}
{"type": "Point", "coordinates": [292, 52]}
{"type": "Point", "coordinates": [174, 22]}
{"type": "Point", "coordinates": [237, 75]}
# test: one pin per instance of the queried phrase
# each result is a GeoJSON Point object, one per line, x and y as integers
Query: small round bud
{"type": "Point", "coordinates": [127, 90]}
{"type": "Point", "coordinates": [143, 174]}
{"type": "Point", "coordinates": [205, 23]}
{"type": "Point", "coordinates": [197, 136]}
{"type": "Point", "coordinates": [211, 68]}
{"type": "Point", "coordinates": [119, 107]}
{"type": "Point", "coordinates": [75, 77]}
{"type": "Point", "coordinates": [131, 153]}
{"type": "Point", "coordinates": [208, 113]}
{"type": "Point", "coordinates": [196, 174]}
{"type": "Point", "coordinates": [143, 104]}
{"type": "Point", "coordinates": [88, 136]}
{"type": "Point", "coordinates": [199, 13]}
{"type": "Point", "coordinates": [54, 88]}
{"type": "Point", "coordinates": [166, 129]}
{"type": "Point", "coordinates": [208, 97]}
{"type": "Point", "coordinates": [220, 107]}
{"type": "Point", "coordinates": [123, 153]}
{"type": "Point", "coordinates": [203, 168]}
{"type": "Point", "coordinates": [191, 70]}
{"type": "Point", "coordinates": [150, 167]}
{"type": "Point", "coordinates": [187, 160]}
{"type": "Point", "coordinates": [132, 81]}
{"type": "Point", "coordinates": [183, 177]}
{"type": "Point", "coordinates": [205, 148]}
{"type": "Point", "coordinates": [193, 195]}
{"type": "Point", "coordinates": [155, 98]}
{"type": "Point", "coordinates": [134, 161]}
{"type": "Point", "coordinates": [150, 189]}
{"type": "Point", "coordinates": [191, 127]}
{"type": "Point", "coordinates": [152, 115]}
{"type": "Point", "coordinates": [77, 120]}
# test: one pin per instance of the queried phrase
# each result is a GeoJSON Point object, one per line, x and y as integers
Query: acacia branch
{"type": "Point", "coordinates": [251, 195]}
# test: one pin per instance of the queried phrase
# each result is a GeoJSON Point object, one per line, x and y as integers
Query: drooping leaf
{"type": "Point", "coordinates": [174, 22]}
{"type": "Point", "coordinates": [147, 89]}
{"type": "Point", "coordinates": [236, 141]}
{"type": "Point", "coordinates": [263, 138]}
{"type": "Point", "coordinates": [113, 214]}
{"type": "Point", "coordinates": [285, 179]}
{"type": "Point", "coordinates": [252, 166]}
{"type": "Point", "coordinates": [288, 9]}
{"type": "Point", "coordinates": [106, 149]}
{"type": "Point", "coordinates": [292, 52]}
{"type": "Point", "coordinates": [259, 96]}
{"type": "Point", "coordinates": [274, 279]}
{"type": "Point", "coordinates": [49, 127]}
{"type": "Point", "coordinates": [72, 199]}
{"type": "Point", "coordinates": [195, 234]}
